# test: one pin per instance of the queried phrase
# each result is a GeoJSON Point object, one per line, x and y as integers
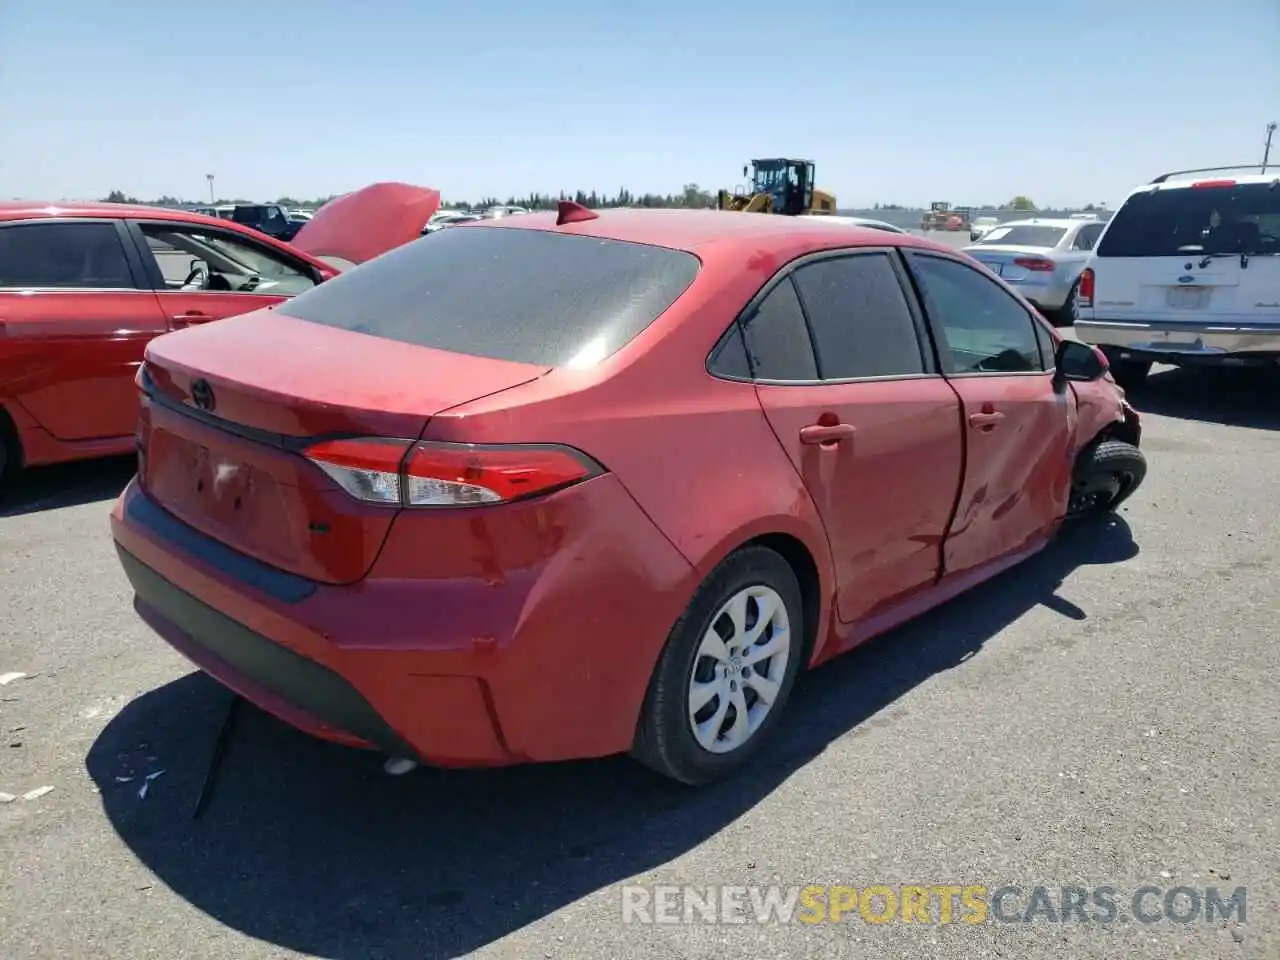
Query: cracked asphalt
{"type": "Point", "coordinates": [1105, 714]}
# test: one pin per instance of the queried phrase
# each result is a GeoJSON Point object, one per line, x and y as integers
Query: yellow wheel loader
{"type": "Point", "coordinates": [778, 186]}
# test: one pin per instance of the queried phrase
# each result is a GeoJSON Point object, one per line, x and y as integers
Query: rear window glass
{"type": "Point", "coordinates": [1242, 218]}
{"type": "Point", "coordinates": [1025, 236]}
{"type": "Point", "coordinates": [530, 296]}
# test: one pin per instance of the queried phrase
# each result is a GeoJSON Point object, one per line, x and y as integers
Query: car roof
{"type": "Point", "coordinates": [37, 209]}
{"type": "Point", "coordinates": [1046, 222]}
{"type": "Point", "coordinates": [1186, 181]}
{"type": "Point", "coordinates": [697, 231]}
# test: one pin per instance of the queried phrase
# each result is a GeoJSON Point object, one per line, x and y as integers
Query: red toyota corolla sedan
{"type": "Point", "coordinates": [84, 287]}
{"type": "Point", "coordinates": [550, 487]}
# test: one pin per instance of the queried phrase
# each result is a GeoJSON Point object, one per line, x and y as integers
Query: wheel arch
{"type": "Point", "coordinates": [1126, 428]}
{"type": "Point", "coordinates": [808, 554]}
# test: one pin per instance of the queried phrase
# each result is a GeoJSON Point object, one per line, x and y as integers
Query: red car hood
{"type": "Point", "coordinates": [366, 223]}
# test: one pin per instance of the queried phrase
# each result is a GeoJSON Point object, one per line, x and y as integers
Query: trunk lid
{"type": "Point", "coordinates": [367, 223]}
{"type": "Point", "coordinates": [231, 407]}
{"type": "Point", "coordinates": [1000, 259]}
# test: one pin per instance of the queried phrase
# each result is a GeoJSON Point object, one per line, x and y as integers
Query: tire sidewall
{"type": "Point", "coordinates": [752, 567]}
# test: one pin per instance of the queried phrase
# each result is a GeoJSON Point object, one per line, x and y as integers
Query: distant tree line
{"type": "Point", "coordinates": [692, 196]}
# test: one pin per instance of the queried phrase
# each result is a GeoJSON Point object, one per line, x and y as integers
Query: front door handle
{"type": "Point", "coordinates": [826, 433]}
{"type": "Point", "coordinates": [985, 420]}
{"type": "Point", "coordinates": [190, 317]}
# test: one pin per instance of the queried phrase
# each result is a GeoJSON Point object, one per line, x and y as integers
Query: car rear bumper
{"type": "Point", "coordinates": [1046, 292]}
{"type": "Point", "coordinates": [453, 673]}
{"type": "Point", "coordinates": [1180, 343]}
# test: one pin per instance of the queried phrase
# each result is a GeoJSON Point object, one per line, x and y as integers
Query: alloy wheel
{"type": "Point", "coordinates": [738, 669]}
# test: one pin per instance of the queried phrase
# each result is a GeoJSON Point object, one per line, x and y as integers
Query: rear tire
{"type": "Point", "coordinates": [1106, 475]}
{"type": "Point", "coordinates": [1065, 316]}
{"type": "Point", "coordinates": [724, 677]}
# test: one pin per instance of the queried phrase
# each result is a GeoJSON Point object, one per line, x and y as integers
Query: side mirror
{"type": "Point", "coordinates": [1078, 361]}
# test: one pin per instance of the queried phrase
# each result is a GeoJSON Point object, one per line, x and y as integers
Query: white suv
{"type": "Point", "coordinates": [1187, 272]}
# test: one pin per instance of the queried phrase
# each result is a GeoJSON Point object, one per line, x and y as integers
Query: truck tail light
{"type": "Point", "coordinates": [1084, 292]}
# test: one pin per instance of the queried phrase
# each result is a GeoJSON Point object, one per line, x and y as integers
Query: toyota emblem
{"type": "Point", "coordinates": [202, 395]}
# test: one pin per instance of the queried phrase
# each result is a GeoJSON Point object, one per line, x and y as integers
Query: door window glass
{"type": "Point", "coordinates": [862, 325]}
{"type": "Point", "coordinates": [78, 255]}
{"type": "Point", "coordinates": [197, 259]}
{"type": "Point", "coordinates": [986, 330]}
{"type": "Point", "coordinates": [778, 340]}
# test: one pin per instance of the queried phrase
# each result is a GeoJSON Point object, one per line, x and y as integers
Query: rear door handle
{"type": "Point", "coordinates": [190, 317]}
{"type": "Point", "coordinates": [985, 420]}
{"type": "Point", "coordinates": [823, 433]}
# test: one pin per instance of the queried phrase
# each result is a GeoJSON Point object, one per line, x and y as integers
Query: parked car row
{"type": "Point", "coordinates": [269, 218]}
{"type": "Point", "coordinates": [415, 473]}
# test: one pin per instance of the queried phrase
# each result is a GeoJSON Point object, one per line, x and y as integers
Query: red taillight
{"type": "Point", "coordinates": [1201, 184]}
{"type": "Point", "coordinates": [427, 474]}
{"type": "Point", "coordinates": [1035, 264]}
{"type": "Point", "coordinates": [1084, 292]}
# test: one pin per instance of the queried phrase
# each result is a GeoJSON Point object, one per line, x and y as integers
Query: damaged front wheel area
{"type": "Point", "coordinates": [1106, 474]}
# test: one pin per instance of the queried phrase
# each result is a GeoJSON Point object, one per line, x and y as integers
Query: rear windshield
{"type": "Point", "coordinates": [531, 296]}
{"type": "Point", "coordinates": [1025, 236]}
{"type": "Point", "coordinates": [248, 214]}
{"type": "Point", "coordinates": [1241, 218]}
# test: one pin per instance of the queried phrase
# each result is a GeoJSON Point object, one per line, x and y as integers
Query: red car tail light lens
{"type": "Point", "coordinates": [1084, 292]}
{"type": "Point", "coordinates": [1035, 264]}
{"type": "Point", "coordinates": [428, 474]}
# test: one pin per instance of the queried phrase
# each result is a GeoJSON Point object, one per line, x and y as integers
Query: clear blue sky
{"type": "Point", "coordinates": [907, 101]}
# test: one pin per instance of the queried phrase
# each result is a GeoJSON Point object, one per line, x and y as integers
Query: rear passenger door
{"type": "Point", "coordinates": [76, 314]}
{"type": "Point", "coordinates": [998, 357]}
{"type": "Point", "coordinates": [847, 380]}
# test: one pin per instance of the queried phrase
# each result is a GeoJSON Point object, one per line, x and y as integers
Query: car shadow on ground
{"type": "Point", "coordinates": [66, 485]}
{"type": "Point", "coordinates": [1233, 397]}
{"type": "Point", "coordinates": [311, 847]}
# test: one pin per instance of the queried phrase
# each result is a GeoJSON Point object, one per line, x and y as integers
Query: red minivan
{"type": "Point", "coordinates": [84, 287]}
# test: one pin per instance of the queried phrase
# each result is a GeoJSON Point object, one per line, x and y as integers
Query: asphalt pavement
{"type": "Point", "coordinates": [1103, 715]}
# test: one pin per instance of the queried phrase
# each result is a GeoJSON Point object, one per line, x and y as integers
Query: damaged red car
{"type": "Point", "coordinates": [577, 484]}
{"type": "Point", "coordinates": [84, 287]}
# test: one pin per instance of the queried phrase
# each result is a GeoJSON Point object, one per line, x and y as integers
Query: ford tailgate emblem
{"type": "Point", "coordinates": [202, 395]}
{"type": "Point", "coordinates": [1187, 279]}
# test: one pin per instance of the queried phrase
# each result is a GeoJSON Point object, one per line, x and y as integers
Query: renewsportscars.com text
{"type": "Point", "coordinates": [930, 904]}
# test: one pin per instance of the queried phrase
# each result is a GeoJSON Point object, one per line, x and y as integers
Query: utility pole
{"type": "Point", "coordinates": [1266, 151]}
{"type": "Point", "coordinates": [209, 177]}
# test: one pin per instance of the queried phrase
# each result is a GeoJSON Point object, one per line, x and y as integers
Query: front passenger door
{"type": "Point", "coordinates": [202, 274]}
{"type": "Point", "coordinates": [1018, 428]}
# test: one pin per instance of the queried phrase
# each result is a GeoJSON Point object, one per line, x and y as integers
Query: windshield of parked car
{"type": "Point", "coordinates": [1232, 218]}
{"type": "Point", "coordinates": [1024, 235]}
{"type": "Point", "coordinates": [531, 296]}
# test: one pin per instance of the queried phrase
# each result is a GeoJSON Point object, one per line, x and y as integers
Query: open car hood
{"type": "Point", "coordinates": [366, 223]}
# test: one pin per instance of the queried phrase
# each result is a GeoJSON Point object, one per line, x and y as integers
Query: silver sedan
{"type": "Point", "coordinates": [1041, 258]}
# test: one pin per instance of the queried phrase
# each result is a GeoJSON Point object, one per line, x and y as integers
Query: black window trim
{"type": "Point", "coordinates": [1080, 232]}
{"type": "Point", "coordinates": [939, 334]}
{"type": "Point", "coordinates": [155, 276]}
{"type": "Point", "coordinates": [925, 340]}
{"type": "Point", "coordinates": [137, 270]}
